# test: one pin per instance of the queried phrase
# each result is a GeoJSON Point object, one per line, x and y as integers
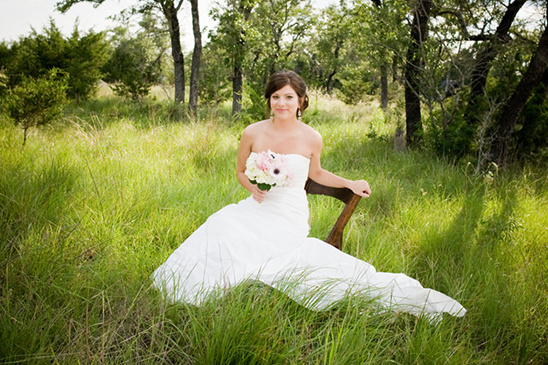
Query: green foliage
{"type": "Point", "coordinates": [532, 131]}
{"type": "Point", "coordinates": [235, 34]}
{"type": "Point", "coordinates": [86, 54]}
{"type": "Point", "coordinates": [357, 83]}
{"type": "Point", "coordinates": [259, 37]}
{"type": "Point", "coordinates": [131, 70]}
{"type": "Point", "coordinates": [452, 138]}
{"type": "Point", "coordinates": [214, 86]}
{"type": "Point", "coordinates": [3, 83]}
{"type": "Point", "coordinates": [330, 41]}
{"type": "Point", "coordinates": [35, 102]}
{"type": "Point", "coordinates": [283, 26]}
{"type": "Point", "coordinates": [137, 60]}
{"type": "Point", "coordinates": [80, 57]}
{"type": "Point", "coordinates": [254, 106]}
{"type": "Point", "coordinates": [36, 54]}
{"type": "Point", "coordinates": [378, 33]}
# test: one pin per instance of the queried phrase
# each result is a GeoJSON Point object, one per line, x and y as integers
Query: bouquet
{"type": "Point", "coordinates": [268, 169]}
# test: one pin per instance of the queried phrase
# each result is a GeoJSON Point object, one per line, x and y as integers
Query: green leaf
{"type": "Point", "coordinates": [266, 187]}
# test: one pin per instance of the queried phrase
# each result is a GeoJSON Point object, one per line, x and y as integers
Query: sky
{"type": "Point", "coordinates": [18, 16]}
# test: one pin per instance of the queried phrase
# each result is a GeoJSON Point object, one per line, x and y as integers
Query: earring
{"type": "Point", "coordinates": [299, 113]}
{"type": "Point", "coordinates": [271, 114]}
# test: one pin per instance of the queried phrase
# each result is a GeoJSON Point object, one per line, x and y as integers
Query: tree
{"type": "Point", "coordinates": [531, 131]}
{"type": "Point", "coordinates": [35, 102]}
{"type": "Point", "coordinates": [419, 32]}
{"type": "Point", "coordinates": [282, 24]}
{"type": "Point", "coordinates": [132, 69]}
{"type": "Point", "coordinates": [85, 56]}
{"type": "Point", "coordinates": [234, 35]}
{"type": "Point", "coordinates": [36, 54]}
{"type": "Point", "coordinates": [196, 56]}
{"type": "Point", "coordinates": [491, 49]}
{"type": "Point", "coordinates": [513, 107]}
{"type": "Point", "coordinates": [381, 18]}
{"type": "Point", "coordinates": [381, 36]}
{"type": "Point", "coordinates": [137, 59]}
{"type": "Point", "coordinates": [215, 83]}
{"type": "Point", "coordinates": [331, 39]}
{"type": "Point", "coordinates": [258, 38]}
{"type": "Point", "coordinates": [492, 45]}
{"type": "Point", "coordinates": [484, 46]}
{"type": "Point", "coordinates": [169, 9]}
{"type": "Point", "coordinates": [441, 62]}
{"type": "Point", "coordinates": [80, 57]}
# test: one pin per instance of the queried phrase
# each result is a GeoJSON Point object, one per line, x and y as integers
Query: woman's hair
{"type": "Point", "coordinates": [282, 78]}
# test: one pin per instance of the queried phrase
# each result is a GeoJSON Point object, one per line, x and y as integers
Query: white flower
{"type": "Point", "coordinates": [268, 169]}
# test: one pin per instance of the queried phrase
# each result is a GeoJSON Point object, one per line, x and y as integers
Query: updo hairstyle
{"type": "Point", "coordinates": [282, 78]}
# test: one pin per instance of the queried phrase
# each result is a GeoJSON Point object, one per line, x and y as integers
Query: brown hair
{"type": "Point", "coordinates": [282, 78]}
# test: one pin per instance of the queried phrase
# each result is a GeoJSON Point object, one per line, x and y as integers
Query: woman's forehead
{"type": "Point", "coordinates": [287, 89]}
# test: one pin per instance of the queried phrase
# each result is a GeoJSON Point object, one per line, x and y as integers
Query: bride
{"type": "Point", "coordinates": [265, 237]}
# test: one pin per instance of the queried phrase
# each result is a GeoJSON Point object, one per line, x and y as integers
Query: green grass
{"type": "Point", "coordinates": [91, 206]}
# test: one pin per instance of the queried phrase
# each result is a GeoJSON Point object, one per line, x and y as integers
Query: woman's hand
{"type": "Point", "coordinates": [258, 194]}
{"type": "Point", "coordinates": [360, 187]}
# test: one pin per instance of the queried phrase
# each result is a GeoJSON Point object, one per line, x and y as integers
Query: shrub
{"type": "Point", "coordinates": [36, 102]}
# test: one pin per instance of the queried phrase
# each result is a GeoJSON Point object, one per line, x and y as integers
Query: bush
{"type": "Point", "coordinates": [132, 69]}
{"type": "Point", "coordinates": [79, 57]}
{"type": "Point", "coordinates": [36, 102]}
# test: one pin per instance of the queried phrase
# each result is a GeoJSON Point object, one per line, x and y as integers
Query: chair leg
{"type": "Point", "coordinates": [336, 234]}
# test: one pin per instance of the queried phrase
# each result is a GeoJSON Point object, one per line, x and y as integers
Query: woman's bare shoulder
{"type": "Point", "coordinates": [256, 127]}
{"type": "Point", "coordinates": [311, 134]}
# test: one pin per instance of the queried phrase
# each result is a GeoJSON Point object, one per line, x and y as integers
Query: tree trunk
{"type": "Point", "coordinates": [412, 68]}
{"type": "Point", "coordinates": [488, 54]}
{"type": "Point", "coordinates": [25, 130]}
{"type": "Point", "coordinates": [544, 89]}
{"type": "Point", "coordinates": [336, 53]}
{"type": "Point", "coordinates": [245, 9]}
{"type": "Point", "coordinates": [329, 82]}
{"type": "Point", "coordinates": [196, 56]}
{"type": "Point", "coordinates": [394, 68]}
{"type": "Point", "coordinates": [513, 107]}
{"type": "Point", "coordinates": [384, 87]}
{"type": "Point", "coordinates": [170, 12]}
{"type": "Point", "coordinates": [237, 84]}
{"type": "Point", "coordinates": [384, 74]}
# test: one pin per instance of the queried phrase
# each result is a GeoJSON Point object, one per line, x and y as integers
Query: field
{"type": "Point", "coordinates": [94, 203]}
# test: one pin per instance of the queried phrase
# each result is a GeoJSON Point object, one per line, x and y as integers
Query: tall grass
{"type": "Point", "coordinates": [91, 206]}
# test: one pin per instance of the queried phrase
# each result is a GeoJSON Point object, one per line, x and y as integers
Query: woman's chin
{"type": "Point", "coordinates": [283, 115]}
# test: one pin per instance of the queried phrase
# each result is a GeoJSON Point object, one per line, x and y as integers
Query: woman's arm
{"type": "Point", "coordinates": [324, 177]}
{"type": "Point", "coordinates": [245, 148]}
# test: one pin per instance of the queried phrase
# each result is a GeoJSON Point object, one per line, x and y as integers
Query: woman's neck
{"type": "Point", "coordinates": [285, 123]}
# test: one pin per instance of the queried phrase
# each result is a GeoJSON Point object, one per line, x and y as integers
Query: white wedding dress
{"type": "Point", "coordinates": [269, 242]}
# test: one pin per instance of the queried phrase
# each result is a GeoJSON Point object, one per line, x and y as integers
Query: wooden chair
{"type": "Point", "coordinates": [345, 195]}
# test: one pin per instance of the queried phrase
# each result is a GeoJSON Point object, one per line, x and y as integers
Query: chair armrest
{"type": "Point", "coordinates": [345, 195]}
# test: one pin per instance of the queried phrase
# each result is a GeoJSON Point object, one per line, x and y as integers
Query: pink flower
{"type": "Point", "coordinates": [267, 169]}
{"type": "Point", "coordinates": [278, 169]}
{"type": "Point", "coordinates": [263, 161]}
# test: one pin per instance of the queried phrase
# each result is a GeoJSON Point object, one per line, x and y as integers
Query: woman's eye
{"type": "Point", "coordinates": [290, 97]}
{"type": "Point", "coordinates": [274, 97]}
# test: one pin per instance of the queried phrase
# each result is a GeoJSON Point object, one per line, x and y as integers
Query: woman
{"type": "Point", "coordinates": [285, 134]}
{"type": "Point", "coordinates": [265, 237]}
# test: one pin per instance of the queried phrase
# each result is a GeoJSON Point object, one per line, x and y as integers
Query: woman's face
{"type": "Point", "coordinates": [284, 102]}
